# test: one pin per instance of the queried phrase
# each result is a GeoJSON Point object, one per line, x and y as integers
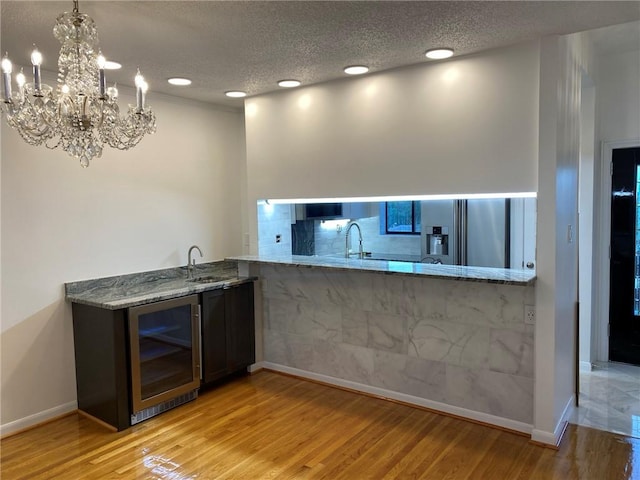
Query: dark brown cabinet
{"type": "Point", "coordinates": [104, 363]}
{"type": "Point", "coordinates": [137, 362]}
{"type": "Point", "coordinates": [228, 331]}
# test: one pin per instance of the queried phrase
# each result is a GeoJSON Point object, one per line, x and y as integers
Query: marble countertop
{"type": "Point", "coordinates": [450, 272]}
{"type": "Point", "coordinates": [124, 291]}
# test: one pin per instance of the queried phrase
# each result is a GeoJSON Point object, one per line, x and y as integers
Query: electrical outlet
{"type": "Point", "coordinates": [278, 238]}
{"type": "Point", "coordinates": [530, 314]}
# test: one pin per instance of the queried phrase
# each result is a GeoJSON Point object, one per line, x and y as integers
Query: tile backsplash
{"type": "Point", "coordinates": [332, 241]}
{"type": "Point", "coordinates": [274, 221]}
{"type": "Point", "coordinates": [326, 238]}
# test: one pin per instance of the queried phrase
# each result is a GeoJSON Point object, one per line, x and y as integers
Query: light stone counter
{"type": "Point", "coordinates": [124, 291]}
{"type": "Point", "coordinates": [402, 332]}
{"type": "Point", "coordinates": [457, 272]}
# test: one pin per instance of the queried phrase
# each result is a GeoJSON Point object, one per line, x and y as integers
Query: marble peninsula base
{"type": "Point", "coordinates": [460, 347]}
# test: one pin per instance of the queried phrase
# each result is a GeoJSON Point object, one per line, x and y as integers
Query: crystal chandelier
{"type": "Point", "coordinates": [80, 115]}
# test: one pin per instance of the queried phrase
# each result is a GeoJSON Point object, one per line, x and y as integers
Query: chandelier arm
{"type": "Point", "coordinates": [126, 133]}
{"type": "Point", "coordinates": [49, 115]}
{"type": "Point", "coordinates": [100, 123]}
{"type": "Point", "coordinates": [83, 111]}
{"type": "Point", "coordinates": [24, 117]}
{"type": "Point", "coordinates": [9, 107]}
{"type": "Point", "coordinates": [33, 136]}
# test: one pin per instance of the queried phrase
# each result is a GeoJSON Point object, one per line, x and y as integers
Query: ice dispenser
{"type": "Point", "coordinates": [437, 240]}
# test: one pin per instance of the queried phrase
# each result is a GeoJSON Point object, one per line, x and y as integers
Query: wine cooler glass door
{"type": "Point", "coordinates": [164, 350]}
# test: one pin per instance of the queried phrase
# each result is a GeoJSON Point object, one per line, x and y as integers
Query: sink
{"type": "Point", "coordinates": [208, 279]}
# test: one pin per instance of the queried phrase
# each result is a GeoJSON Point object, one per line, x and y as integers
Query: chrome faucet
{"type": "Point", "coordinates": [191, 264]}
{"type": "Point", "coordinates": [347, 239]}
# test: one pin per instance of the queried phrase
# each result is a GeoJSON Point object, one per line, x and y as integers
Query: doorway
{"type": "Point", "coordinates": [608, 389]}
{"type": "Point", "coordinates": [624, 291]}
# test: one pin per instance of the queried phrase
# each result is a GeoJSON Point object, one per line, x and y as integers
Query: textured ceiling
{"type": "Point", "coordinates": [250, 45]}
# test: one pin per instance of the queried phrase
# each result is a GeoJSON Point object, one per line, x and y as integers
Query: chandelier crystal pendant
{"type": "Point", "coordinates": [81, 114]}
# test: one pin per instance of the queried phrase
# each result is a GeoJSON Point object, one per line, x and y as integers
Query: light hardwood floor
{"type": "Point", "coordinates": [273, 426]}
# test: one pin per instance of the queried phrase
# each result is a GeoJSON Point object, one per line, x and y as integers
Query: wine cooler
{"type": "Point", "coordinates": [165, 355]}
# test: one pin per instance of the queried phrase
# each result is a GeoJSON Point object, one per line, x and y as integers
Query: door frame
{"type": "Point", "coordinates": [602, 234]}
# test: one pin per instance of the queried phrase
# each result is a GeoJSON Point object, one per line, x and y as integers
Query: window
{"type": "Point", "coordinates": [402, 217]}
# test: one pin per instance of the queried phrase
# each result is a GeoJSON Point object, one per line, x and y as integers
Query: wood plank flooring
{"type": "Point", "coordinates": [273, 426]}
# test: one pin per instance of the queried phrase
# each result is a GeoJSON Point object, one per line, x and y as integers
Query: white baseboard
{"type": "Point", "coordinates": [568, 410]}
{"type": "Point", "coordinates": [548, 438]}
{"type": "Point", "coordinates": [585, 366]}
{"type": "Point", "coordinates": [255, 367]}
{"type": "Point", "coordinates": [402, 397]}
{"type": "Point", "coordinates": [554, 438]}
{"type": "Point", "coordinates": [36, 418]}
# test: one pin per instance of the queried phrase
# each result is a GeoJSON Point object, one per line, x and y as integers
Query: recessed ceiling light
{"type": "Point", "coordinates": [289, 83]}
{"type": "Point", "coordinates": [439, 53]}
{"type": "Point", "coordinates": [179, 81]}
{"type": "Point", "coordinates": [235, 94]}
{"type": "Point", "coordinates": [109, 65]}
{"type": "Point", "coordinates": [356, 70]}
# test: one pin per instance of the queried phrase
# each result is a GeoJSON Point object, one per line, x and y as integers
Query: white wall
{"type": "Point", "coordinates": [618, 96]}
{"type": "Point", "coordinates": [465, 125]}
{"type": "Point", "coordinates": [563, 60]}
{"type": "Point", "coordinates": [586, 213]}
{"type": "Point", "coordinates": [129, 211]}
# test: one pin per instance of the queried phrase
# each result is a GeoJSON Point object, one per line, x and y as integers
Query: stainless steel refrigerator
{"type": "Point", "coordinates": [474, 232]}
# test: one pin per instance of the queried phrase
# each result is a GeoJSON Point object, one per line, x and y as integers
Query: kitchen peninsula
{"type": "Point", "coordinates": [450, 338]}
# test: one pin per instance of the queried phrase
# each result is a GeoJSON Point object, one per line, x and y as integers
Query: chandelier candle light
{"type": "Point", "coordinates": [81, 114]}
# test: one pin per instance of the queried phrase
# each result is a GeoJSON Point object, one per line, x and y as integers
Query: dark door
{"type": "Point", "coordinates": [624, 296]}
{"type": "Point", "coordinates": [240, 318]}
{"type": "Point", "coordinates": [214, 335]}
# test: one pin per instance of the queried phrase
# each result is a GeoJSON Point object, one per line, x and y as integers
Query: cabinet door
{"type": "Point", "coordinates": [355, 210]}
{"type": "Point", "coordinates": [214, 335]}
{"type": "Point", "coordinates": [241, 326]}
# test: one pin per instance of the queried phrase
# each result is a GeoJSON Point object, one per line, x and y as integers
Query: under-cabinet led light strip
{"type": "Point", "coordinates": [400, 198]}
